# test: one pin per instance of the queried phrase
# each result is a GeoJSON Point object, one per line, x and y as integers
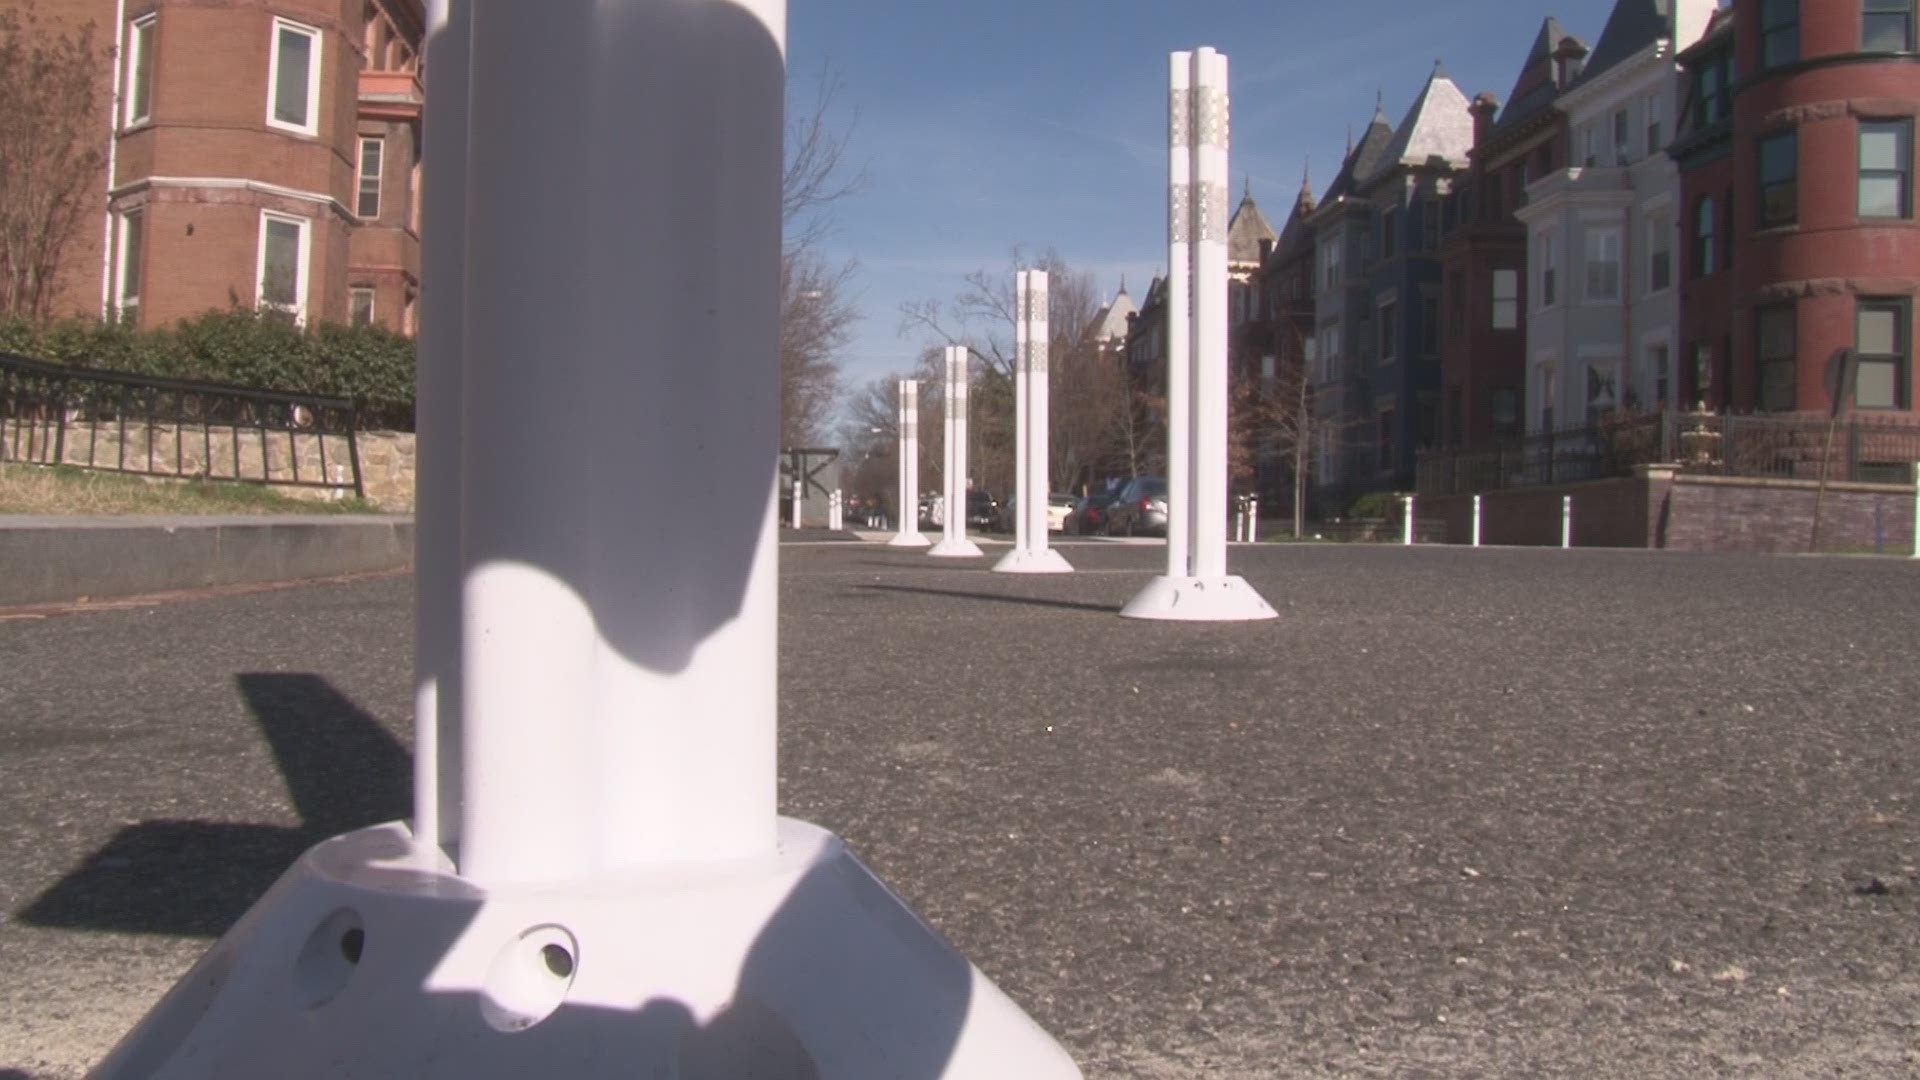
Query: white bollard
{"type": "Point", "coordinates": [1476, 521]}
{"type": "Point", "coordinates": [623, 898]}
{"type": "Point", "coordinates": [907, 532]}
{"type": "Point", "coordinates": [1196, 585]}
{"type": "Point", "coordinates": [1031, 552]}
{"type": "Point", "coordinates": [953, 541]}
{"type": "Point", "coordinates": [836, 511]}
{"type": "Point", "coordinates": [1566, 521]}
{"type": "Point", "coordinates": [799, 487]}
{"type": "Point", "coordinates": [1916, 509]}
{"type": "Point", "coordinates": [1407, 505]}
{"type": "Point", "coordinates": [1253, 521]}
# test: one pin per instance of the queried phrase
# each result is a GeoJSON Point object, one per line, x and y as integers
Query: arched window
{"type": "Point", "coordinates": [1703, 224]}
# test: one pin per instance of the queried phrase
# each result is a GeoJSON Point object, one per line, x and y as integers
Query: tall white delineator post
{"type": "Point", "coordinates": [1476, 521]}
{"type": "Point", "coordinates": [953, 541]}
{"type": "Point", "coordinates": [1032, 552]}
{"type": "Point", "coordinates": [620, 898]}
{"type": "Point", "coordinates": [1196, 586]}
{"type": "Point", "coordinates": [908, 532]}
{"type": "Point", "coordinates": [1566, 521]}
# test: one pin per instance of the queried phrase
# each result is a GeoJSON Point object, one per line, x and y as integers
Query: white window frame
{"type": "Point", "coordinates": [131, 221]}
{"type": "Point", "coordinates": [373, 304]}
{"type": "Point", "coordinates": [302, 268]}
{"type": "Point", "coordinates": [312, 126]}
{"type": "Point", "coordinates": [1493, 315]}
{"type": "Point", "coordinates": [1654, 123]}
{"type": "Point", "coordinates": [360, 176]}
{"type": "Point", "coordinates": [1602, 233]}
{"type": "Point", "coordinates": [139, 47]}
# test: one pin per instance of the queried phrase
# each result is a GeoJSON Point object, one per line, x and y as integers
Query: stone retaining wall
{"type": "Point", "coordinates": [1662, 509]}
{"type": "Point", "coordinates": [166, 450]}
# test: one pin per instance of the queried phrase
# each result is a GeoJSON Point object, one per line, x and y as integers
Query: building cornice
{"type": "Point", "coordinates": [231, 183]}
{"type": "Point", "coordinates": [1623, 74]}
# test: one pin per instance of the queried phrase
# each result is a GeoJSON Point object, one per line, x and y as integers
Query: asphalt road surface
{"type": "Point", "coordinates": [1457, 813]}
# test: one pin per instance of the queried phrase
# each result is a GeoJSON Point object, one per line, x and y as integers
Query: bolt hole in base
{"type": "Point", "coordinates": [329, 958]}
{"type": "Point", "coordinates": [530, 978]}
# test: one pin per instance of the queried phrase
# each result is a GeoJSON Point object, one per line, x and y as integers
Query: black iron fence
{"type": "Point", "coordinates": [1866, 450]}
{"type": "Point", "coordinates": [53, 415]}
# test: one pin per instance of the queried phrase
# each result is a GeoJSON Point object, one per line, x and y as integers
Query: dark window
{"type": "Point", "coordinates": [1430, 225]}
{"type": "Point", "coordinates": [1884, 338]}
{"type": "Point", "coordinates": [1386, 439]}
{"type": "Point", "coordinates": [1703, 230]}
{"type": "Point", "coordinates": [1886, 26]}
{"type": "Point", "coordinates": [1779, 179]}
{"type": "Point", "coordinates": [1621, 149]}
{"type": "Point", "coordinates": [1503, 409]}
{"type": "Point", "coordinates": [1886, 163]}
{"type": "Point", "coordinates": [1710, 91]}
{"type": "Point", "coordinates": [1429, 326]}
{"type": "Point", "coordinates": [1779, 33]}
{"type": "Point", "coordinates": [1778, 341]}
{"type": "Point", "coordinates": [1387, 312]}
{"type": "Point", "coordinates": [1389, 220]}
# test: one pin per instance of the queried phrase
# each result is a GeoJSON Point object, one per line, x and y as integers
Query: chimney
{"type": "Point", "coordinates": [1568, 61]}
{"type": "Point", "coordinates": [1485, 106]}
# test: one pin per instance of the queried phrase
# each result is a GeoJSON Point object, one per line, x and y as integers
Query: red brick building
{"type": "Point", "coordinates": [1797, 163]}
{"type": "Point", "coordinates": [1484, 253]}
{"type": "Point", "coordinates": [260, 153]}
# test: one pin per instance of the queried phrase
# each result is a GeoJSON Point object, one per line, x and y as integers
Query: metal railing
{"type": "Point", "coordinates": [116, 422]}
{"type": "Point", "coordinates": [1858, 449]}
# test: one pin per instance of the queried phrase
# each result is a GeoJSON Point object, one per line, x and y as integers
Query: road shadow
{"type": "Point", "coordinates": [343, 771]}
{"type": "Point", "coordinates": [1025, 601]}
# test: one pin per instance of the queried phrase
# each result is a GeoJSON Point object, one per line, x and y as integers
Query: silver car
{"type": "Point", "coordinates": [1140, 509]}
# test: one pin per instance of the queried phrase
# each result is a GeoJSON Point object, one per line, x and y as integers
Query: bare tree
{"type": "Point", "coordinates": [1278, 419]}
{"type": "Point", "coordinates": [48, 154]}
{"type": "Point", "coordinates": [1089, 393]}
{"type": "Point", "coordinates": [817, 315]}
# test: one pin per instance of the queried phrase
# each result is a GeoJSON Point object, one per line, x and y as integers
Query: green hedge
{"type": "Point", "coordinates": [368, 364]}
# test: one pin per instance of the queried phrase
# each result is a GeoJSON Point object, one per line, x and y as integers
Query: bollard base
{"type": "Point", "coordinates": [909, 539]}
{"type": "Point", "coordinates": [799, 965]}
{"type": "Point", "coordinates": [1020, 561]}
{"type": "Point", "coordinates": [1188, 599]}
{"type": "Point", "coordinates": [956, 549]}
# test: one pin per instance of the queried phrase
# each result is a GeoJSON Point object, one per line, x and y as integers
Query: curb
{"type": "Point", "coordinates": [62, 559]}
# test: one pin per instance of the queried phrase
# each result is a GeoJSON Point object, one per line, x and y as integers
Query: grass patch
{"type": "Point", "coordinates": [62, 489]}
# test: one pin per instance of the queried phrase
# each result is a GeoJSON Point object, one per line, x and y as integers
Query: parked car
{"type": "Point", "coordinates": [1059, 505]}
{"type": "Point", "coordinates": [982, 511]}
{"type": "Point", "coordinates": [1088, 516]}
{"type": "Point", "coordinates": [1140, 509]}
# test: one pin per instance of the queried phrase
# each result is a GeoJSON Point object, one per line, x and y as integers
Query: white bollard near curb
{"type": "Point", "coordinates": [1566, 521]}
{"type": "Point", "coordinates": [1407, 504]}
{"type": "Point", "coordinates": [907, 532]}
{"type": "Point", "coordinates": [1031, 552]}
{"type": "Point", "coordinates": [1196, 586]}
{"type": "Point", "coordinates": [1253, 521]}
{"type": "Point", "coordinates": [1476, 521]}
{"type": "Point", "coordinates": [1916, 509]}
{"type": "Point", "coordinates": [799, 487]}
{"type": "Point", "coordinates": [953, 538]}
{"type": "Point", "coordinates": [616, 895]}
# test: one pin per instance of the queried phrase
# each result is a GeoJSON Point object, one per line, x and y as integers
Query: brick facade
{"type": "Point", "coordinates": [198, 176]}
{"type": "Point", "coordinates": [1828, 257]}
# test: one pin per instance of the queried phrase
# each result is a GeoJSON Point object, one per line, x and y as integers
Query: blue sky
{"type": "Point", "coordinates": [987, 124]}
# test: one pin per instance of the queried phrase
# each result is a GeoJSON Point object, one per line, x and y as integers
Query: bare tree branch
{"type": "Point", "coordinates": [48, 154]}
